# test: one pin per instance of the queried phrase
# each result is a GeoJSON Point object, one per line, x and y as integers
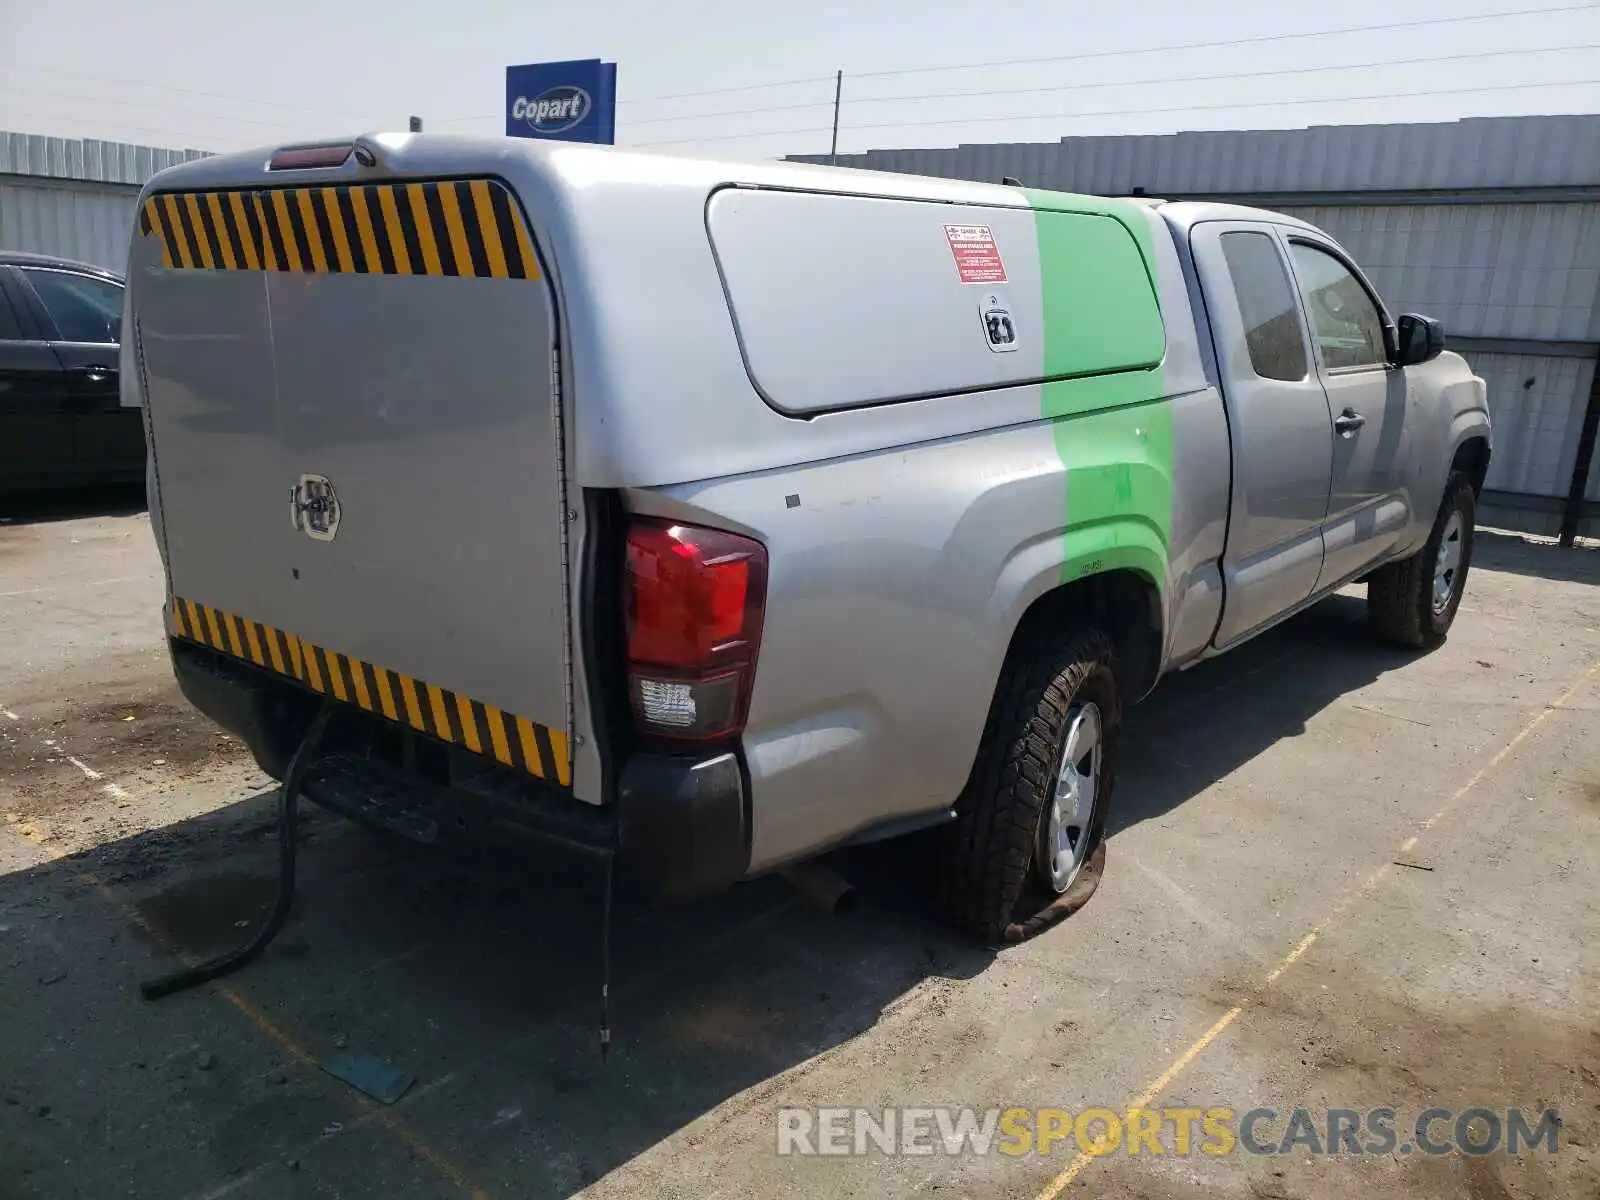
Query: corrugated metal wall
{"type": "Point", "coordinates": [1538, 403]}
{"type": "Point", "coordinates": [1510, 268]}
{"type": "Point", "coordinates": [88, 222]}
{"type": "Point", "coordinates": [1490, 224]}
{"type": "Point", "coordinates": [1485, 270]}
{"type": "Point", "coordinates": [85, 158]}
{"type": "Point", "coordinates": [74, 197]}
{"type": "Point", "coordinates": [1476, 153]}
{"type": "Point", "coordinates": [1497, 271]}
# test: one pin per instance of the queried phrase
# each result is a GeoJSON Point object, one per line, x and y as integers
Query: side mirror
{"type": "Point", "coordinates": [1420, 339]}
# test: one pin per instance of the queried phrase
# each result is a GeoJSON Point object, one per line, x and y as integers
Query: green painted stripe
{"type": "Point", "coordinates": [1103, 345]}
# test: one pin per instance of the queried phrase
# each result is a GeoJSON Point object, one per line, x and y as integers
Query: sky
{"type": "Point", "coordinates": [224, 74]}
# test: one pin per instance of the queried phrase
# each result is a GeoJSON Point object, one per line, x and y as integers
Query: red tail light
{"type": "Point", "coordinates": [694, 601]}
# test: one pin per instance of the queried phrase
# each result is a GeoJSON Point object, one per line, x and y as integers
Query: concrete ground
{"type": "Point", "coordinates": [1340, 876]}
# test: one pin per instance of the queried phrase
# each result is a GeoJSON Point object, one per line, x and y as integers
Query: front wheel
{"type": "Point", "coordinates": [1413, 602]}
{"type": "Point", "coordinates": [1034, 811]}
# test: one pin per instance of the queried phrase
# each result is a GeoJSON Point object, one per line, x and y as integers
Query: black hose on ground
{"type": "Point", "coordinates": [288, 801]}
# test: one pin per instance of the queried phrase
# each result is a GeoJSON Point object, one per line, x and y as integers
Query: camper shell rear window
{"type": "Point", "coordinates": [847, 301]}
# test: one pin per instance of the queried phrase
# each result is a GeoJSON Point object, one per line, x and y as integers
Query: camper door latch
{"type": "Point", "coordinates": [314, 507]}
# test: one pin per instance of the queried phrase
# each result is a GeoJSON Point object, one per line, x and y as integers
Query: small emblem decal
{"type": "Point", "coordinates": [314, 507]}
{"type": "Point", "coordinates": [999, 327]}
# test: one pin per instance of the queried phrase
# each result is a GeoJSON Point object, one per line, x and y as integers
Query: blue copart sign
{"type": "Point", "coordinates": [563, 101]}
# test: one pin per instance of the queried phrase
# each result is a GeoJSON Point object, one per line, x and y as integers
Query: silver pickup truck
{"type": "Point", "coordinates": [718, 514]}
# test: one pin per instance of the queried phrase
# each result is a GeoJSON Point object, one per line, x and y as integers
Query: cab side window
{"type": "Point", "coordinates": [83, 308]}
{"type": "Point", "coordinates": [1344, 319]}
{"type": "Point", "coordinates": [1267, 306]}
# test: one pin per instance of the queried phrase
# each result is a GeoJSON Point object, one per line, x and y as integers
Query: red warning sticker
{"type": "Point", "coordinates": [977, 257]}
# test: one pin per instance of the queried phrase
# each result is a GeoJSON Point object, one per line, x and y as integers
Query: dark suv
{"type": "Point", "coordinates": [61, 419]}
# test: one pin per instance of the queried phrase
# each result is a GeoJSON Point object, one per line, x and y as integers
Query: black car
{"type": "Point", "coordinates": [61, 419]}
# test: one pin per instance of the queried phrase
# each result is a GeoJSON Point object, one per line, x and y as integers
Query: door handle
{"type": "Point", "coordinates": [1347, 422]}
{"type": "Point", "coordinates": [97, 373]}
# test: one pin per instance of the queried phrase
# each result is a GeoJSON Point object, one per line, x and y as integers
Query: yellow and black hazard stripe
{"type": "Point", "coordinates": [449, 716]}
{"type": "Point", "coordinates": [462, 227]}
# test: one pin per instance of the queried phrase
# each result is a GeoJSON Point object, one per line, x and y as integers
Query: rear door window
{"type": "Point", "coordinates": [82, 307]}
{"type": "Point", "coordinates": [1267, 308]}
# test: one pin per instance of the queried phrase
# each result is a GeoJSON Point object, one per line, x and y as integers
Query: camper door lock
{"type": "Point", "coordinates": [999, 327]}
{"type": "Point", "coordinates": [314, 507]}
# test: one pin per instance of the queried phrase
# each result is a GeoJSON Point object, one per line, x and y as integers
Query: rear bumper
{"type": "Point", "coordinates": [680, 826]}
{"type": "Point", "coordinates": [683, 827]}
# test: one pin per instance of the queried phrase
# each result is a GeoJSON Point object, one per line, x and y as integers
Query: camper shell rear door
{"type": "Point", "coordinates": [355, 416]}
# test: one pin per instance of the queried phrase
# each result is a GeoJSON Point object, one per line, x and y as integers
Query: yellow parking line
{"type": "Point", "coordinates": [293, 1046]}
{"type": "Point", "coordinates": [1180, 1064]}
{"type": "Point", "coordinates": [264, 1024]}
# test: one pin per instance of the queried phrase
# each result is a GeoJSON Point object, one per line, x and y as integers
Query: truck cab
{"type": "Point", "coordinates": [1340, 415]}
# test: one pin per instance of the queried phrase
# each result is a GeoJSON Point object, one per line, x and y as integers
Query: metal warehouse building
{"type": "Point", "coordinates": [1492, 225]}
{"type": "Point", "coordinates": [74, 198]}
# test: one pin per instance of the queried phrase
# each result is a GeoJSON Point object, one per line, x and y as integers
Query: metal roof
{"type": "Point", "coordinates": [88, 159]}
{"type": "Point", "coordinates": [1479, 152]}
{"type": "Point", "coordinates": [1507, 270]}
{"type": "Point", "coordinates": [24, 258]}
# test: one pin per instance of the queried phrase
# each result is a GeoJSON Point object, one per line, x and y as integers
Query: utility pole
{"type": "Point", "coordinates": [416, 124]}
{"type": "Point", "coordinates": [833, 148]}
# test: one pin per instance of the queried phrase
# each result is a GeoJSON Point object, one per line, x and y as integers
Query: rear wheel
{"type": "Point", "coordinates": [1413, 602]}
{"type": "Point", "coordinates": [1034, 811]}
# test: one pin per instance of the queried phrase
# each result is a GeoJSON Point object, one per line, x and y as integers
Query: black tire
{"type": "Point", "coordinates": [988, 860]}
{"type": "Point", "coordinates": [1400, 599]}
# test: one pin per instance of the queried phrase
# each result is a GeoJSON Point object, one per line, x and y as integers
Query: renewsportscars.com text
{"type": "Point", "coordinates": [1175, 1131]}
